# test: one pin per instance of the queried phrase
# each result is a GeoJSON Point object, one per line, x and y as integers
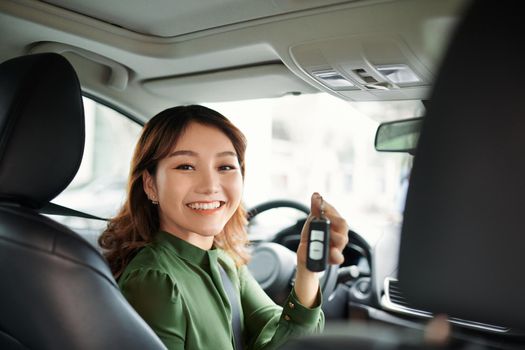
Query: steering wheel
{"type": "Point", "coordinates": [273, 265]}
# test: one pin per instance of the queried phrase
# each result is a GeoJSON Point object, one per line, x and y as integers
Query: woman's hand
{"type": "Point", "coordinates": [306, 282]}
{"type": "Point", "coordinates": [338, 232]}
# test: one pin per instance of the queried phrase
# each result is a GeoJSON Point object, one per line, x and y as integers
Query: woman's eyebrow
{"type": "Point", "coordinates": [195, 154]}
{"type": "Point", "coordinates": [183, 153]}
{"type": "Point", "coordinates": [227, 154]}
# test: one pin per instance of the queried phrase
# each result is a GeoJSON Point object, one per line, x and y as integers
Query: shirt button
{"type": "Point", "coordinates": [291, 305]}
{"type": "Point", "coordinates": [287, 318]}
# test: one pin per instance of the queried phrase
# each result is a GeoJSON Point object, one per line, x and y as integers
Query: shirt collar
{"type": "Point", "coordinates": [185, 250]}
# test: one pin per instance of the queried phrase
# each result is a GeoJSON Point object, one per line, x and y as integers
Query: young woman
{"type": "Point", "coordinates": [183, 222]}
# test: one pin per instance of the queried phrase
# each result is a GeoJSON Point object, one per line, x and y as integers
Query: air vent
{"type": "Point", "coordinates": [394, 300]}
{"type": "Point", "coordinates": [396, 296]}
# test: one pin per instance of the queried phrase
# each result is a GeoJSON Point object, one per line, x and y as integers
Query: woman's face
{"type": "Point", "coordinates": [198, 186]}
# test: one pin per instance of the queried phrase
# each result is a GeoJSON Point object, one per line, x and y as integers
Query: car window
{"type": "Point", "coordinates": [99, 186]}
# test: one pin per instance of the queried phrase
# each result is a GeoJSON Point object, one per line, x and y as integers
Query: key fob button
{"type": "Point", "coordinates": [317, 235]}
{"type": "Point", "coordinates": [316, 251]}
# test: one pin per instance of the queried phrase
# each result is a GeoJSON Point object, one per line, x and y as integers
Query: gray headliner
{"type": "Point", "coordinates": [168, 18]}
{"type": "Point", "coordinates": [191, 60]}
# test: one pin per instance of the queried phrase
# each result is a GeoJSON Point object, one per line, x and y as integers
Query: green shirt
{"type": "Point", "coordinates": [177, 288]}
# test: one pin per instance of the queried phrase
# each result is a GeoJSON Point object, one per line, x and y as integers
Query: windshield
{"type": "Point", "coordinates": [296, 145]}
{"type": "Point", "coordinates": [317, 142]}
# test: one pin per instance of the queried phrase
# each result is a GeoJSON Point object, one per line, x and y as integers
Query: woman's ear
{"type": "Point", "coordinates": [148, 183]}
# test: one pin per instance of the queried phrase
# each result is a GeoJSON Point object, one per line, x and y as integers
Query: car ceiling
{"type": "Point", "coordinates": [143, 58]}
{"type": "Point", "coordinates": [168, 18]}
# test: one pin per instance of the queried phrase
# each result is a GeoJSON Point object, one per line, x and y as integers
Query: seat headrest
{"type": "Point", "coordinates": [41, 128]}
{"type": "Point", "coordinates": [463, 236]}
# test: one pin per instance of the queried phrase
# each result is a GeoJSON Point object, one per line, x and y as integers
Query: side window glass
{"type": "Point", "coordinates": [100, 184]}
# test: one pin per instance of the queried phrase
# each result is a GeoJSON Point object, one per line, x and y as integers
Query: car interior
{"type": "Point", "coordinates": [455, 250]}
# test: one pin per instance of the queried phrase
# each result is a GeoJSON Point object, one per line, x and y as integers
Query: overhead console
{"type": "Point", "coordinates": [363, 68]}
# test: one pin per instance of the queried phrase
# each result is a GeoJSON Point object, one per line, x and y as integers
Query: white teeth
{"type": "Point", "coordinates": [204, 206]}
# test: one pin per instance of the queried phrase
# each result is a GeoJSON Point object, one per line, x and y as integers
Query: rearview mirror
{"type": "Point", "coordinates": [398, 135]}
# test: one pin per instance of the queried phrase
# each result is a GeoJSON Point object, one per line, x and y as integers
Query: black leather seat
{"type": "Point", "coordinates": [56, 291]}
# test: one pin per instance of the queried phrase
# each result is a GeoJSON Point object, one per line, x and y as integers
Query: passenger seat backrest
{"type": "Point", "coordinates": [463, 239]}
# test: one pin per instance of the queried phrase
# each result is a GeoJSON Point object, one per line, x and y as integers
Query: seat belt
{"type": "Point", "coordinates": [234, 302]}
{"type": "Point", "coordinates": [55, 209]}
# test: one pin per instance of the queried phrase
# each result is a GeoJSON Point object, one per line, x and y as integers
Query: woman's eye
{"type": "Point", "coordinates": [185, 167]}
{"type": "Point", "coordinates": [227, 167]}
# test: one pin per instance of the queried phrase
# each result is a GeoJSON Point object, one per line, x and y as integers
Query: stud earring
{"type": "Point", "coordinates": [154, 201]}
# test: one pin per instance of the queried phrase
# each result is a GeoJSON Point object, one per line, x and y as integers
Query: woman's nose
{"type": "Point", "coordinates": [208, 182]}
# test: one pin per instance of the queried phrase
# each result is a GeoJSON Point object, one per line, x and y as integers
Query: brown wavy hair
{"type": "Point", "coordinates": [138, 219]}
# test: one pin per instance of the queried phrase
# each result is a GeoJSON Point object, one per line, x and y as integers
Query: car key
{"type": "Point", "coordinates": [318, 242]}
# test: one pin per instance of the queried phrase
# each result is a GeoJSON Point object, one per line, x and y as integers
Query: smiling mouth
{"type": "Point", "coordinates": [205, 205]}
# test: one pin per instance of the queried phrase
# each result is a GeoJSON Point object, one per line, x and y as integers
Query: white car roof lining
{"type": "Point", "coordinates": [418, 29]}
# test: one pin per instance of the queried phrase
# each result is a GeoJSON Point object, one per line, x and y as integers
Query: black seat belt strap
{"type": "Point", "coordinates": [236, 312]}
{"type": "Point", "coordinates": [55, 209]}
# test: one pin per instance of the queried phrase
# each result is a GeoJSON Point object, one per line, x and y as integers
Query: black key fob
{"type": "Point", "coordinates": [318, 243]}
